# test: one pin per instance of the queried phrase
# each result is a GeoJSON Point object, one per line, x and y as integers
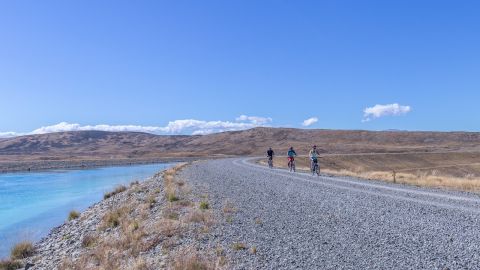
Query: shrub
{"type": "Point", "coordinates": [239, 246]}
{"type": "Point", "coordinates": [180, 183]}
{"type": "Point", "coordinates": [191, 260]}
{"type": "Point", "coordinates": [117, 190]}
{"type": "Point", "coordinates": [88, 241]}
{"type": "Point", "coordinates": [22, 250]}
{"type": "Point", "coordinates": [134, 183]}
{"type": "Point", "coordinates": [228, 208]}
{"type": "Point", "coordinates": [204, 205]}
{"type": "Point", "coordinates": [112, 218]}
{"type": "Point", "coordinates": [171, 197]}
{"type": "Point", "coordinates": [73, 215]}
{"type": "Point", "coordinates": [151, 201]}
{"type": "Point", "coordinates": [9, 264]}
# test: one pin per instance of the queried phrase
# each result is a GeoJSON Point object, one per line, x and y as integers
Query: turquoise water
{"type": "Point", "coordinates": [33, 203]}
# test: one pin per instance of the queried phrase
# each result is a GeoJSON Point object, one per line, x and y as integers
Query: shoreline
{"type": "Point", "coordinates": [38, 166]}
{"type": "Point", "coordinates": [44, 226]}
{"type": "Point", "coordinates": [159, 223]}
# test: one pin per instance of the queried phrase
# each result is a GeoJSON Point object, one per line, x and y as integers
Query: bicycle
{"type": "Point", "coordinates": [315, 168]}
{"type": "Point", "coordinates": [270, 162]}
{"type": "Point", "coordinates": [291, 165]}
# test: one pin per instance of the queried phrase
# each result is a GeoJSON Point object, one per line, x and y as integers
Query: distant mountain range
{"type": "Point", "coordinates": [87, 145]}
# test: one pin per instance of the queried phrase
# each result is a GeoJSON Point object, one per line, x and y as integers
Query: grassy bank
{"type": "Point", "coordinates": [159, 223]}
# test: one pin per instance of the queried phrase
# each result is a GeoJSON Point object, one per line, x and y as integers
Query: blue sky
{"type": "Point", "coordinates": [148, 63]}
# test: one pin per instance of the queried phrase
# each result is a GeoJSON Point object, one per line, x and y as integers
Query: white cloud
{"type": "Point", "coordinates": [384, 110]}
{"type": "Point", "coordinates": [185, 126]}
{"type": "Point", "coordinates": [254, 119]}
{"type": "Point", "coordinates": [310, 121]}
{"type": "Point", "coordinates": [64, 126]}
{"type": "Point", "coordinates": [9, 134]}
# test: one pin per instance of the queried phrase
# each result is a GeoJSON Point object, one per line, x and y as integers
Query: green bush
{"type": "Point", "coordinates": [204, 205]}
{"type": "Point", "coordinates": [171, 197]}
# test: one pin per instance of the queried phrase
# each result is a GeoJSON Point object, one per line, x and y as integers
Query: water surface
{"type": "Point", "coordinates": [33, 203]}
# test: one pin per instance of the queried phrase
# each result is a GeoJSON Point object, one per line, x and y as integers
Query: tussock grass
{"type": "Point", "coordinates": [73, 215]}
{"type": "Point", "coordinates": [88, 241]}
{"type": "Point", "coordinates": [141, 264]}
{"type": "Point", "coordinates": [204, 205]}
{"type": "Point", "coordinates": [229, 208]}
{"type": "Point", "coordinates": [198, 216]}
{"type": "Point", "coordinates": [135, 231]}
{"type": "Point", "coordinates": [9, 264]}
{"type": "Point", "coordinates": [113, 218]}
{"type": "Point", "coordinates": [170, 213]}
{"type": "Point", "coordinates": [171, 197]}
{"type": "Point", "coordinates": [117, 190]}
{"type": "Point", "coordinates": [239, 246]}
{"type": "Point", "coordinates": [151, 200]}
{"type": "Point", "coordinates": [134, 183]}
{"type": "Point", "coordinates": [168, 227]}
{"type": "Point", "coordinates": [190, 259]}
{"type": "Point", "coordinates": [22, 250]}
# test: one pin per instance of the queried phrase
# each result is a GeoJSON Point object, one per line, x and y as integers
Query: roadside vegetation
{"type": "Point", "coordinates": [148, 227]}
{"type": "Point", "coordinates": [118, 189]}
{"type": "Point", "coordinates": [10, 264]}
{"type": "Point", "coordinates": [20, 251]}
{"type": "Point", "coordinates": [460, 171]}
{"type": "Point", "coordinates": [73, 215]}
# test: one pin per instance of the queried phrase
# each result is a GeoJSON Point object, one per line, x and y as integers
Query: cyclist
{"type": "Point", "coordinates": [270, 154]}
{"type": "Point", "coordinates": [291, 156]}
{"type": "Point", "coordinates": [313, 154]}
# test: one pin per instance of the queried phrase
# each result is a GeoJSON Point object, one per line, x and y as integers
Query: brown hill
{"type": "Point", "coordinates": [81, 145]}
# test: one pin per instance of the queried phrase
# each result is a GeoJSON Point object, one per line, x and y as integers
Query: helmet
{"type": "Point", "coordinates": [314, 146]}
{"type": "Point", "coordinates": [291, 147]}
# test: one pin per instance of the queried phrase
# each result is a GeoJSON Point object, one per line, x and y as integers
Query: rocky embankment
{"type": "Point", "coordinates": [159, 223]}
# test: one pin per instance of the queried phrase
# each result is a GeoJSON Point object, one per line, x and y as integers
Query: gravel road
{"type": "Point", "coordinates": [299, 221]}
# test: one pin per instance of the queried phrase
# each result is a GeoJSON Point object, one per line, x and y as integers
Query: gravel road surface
{"type": "Point", "coordinates": [299, 221]}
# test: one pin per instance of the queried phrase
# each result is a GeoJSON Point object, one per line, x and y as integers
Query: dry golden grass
{"type": "Point", "coordinates": [133, 232]}
{"type": "Point", "coordinates": [191, 259]}
{"type": "Point", "coordinates": [228, 207]}
{"type": "Point", "coordinates": [239, 246]}
{"type": "Point", "coordinates": [117, 190]}
{"type": "Point", "coordinates": [9, 264]}
{"type": "Point", "coordinates": [168, 227]}
{"type": "Point", "coordinates": [22, 250]}
{"type": "Point", "coordinates": [459, 171]}
{"type": "Point", "coordinates": [73, 215]}
{"type": "Point", "coordinates": [113, 218]}
{"type": "Point", "coordinates": [88, 241]}
{"type": "Point", "coordinates": [141, 264]}
{"type": "Point", "coordinates": [170, 184]}
{"type": "Point", "coordinates": [199, 216]}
